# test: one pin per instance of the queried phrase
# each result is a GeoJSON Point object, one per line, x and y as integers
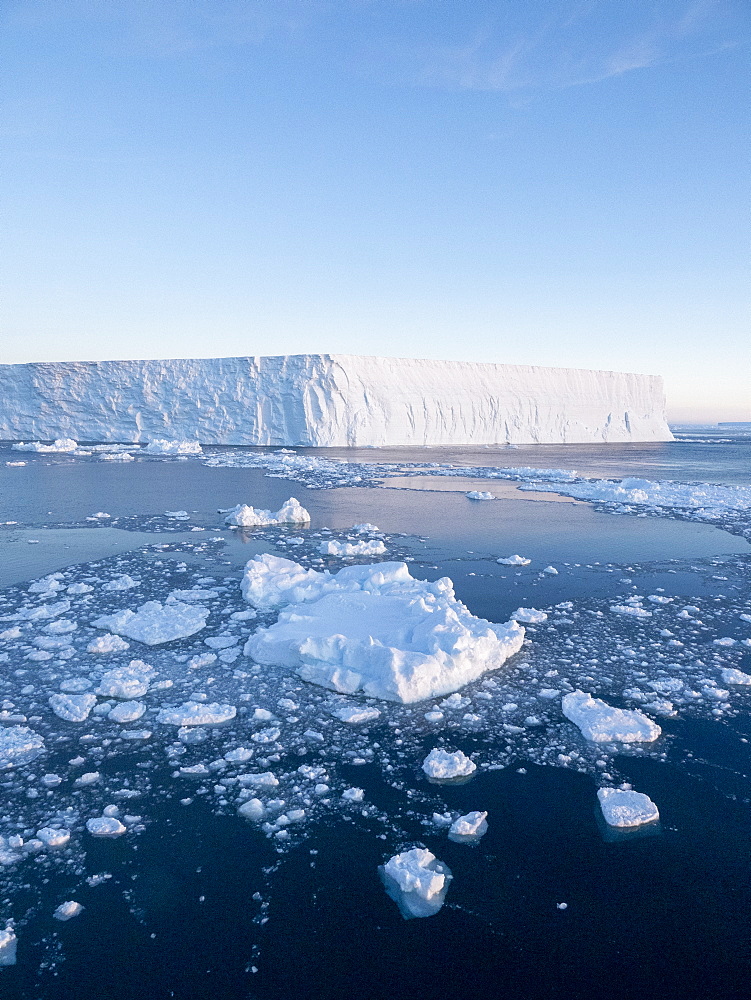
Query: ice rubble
{"type": "Point", "coordinates": [18, 745]}
{"type": "Point", "coordinates": [326, 400]}
{"type": "Point", "coordinates": [625, 808]}
{"type": "Point", "coordinates": [442, 765]}
{"type": "Point", "coordinates": [61, 445]}
{"type": "Point", "coordinates": [417, 882]}
{"type": "Point", "coordinates": [601, 723]}
{"type": "Point", "coordinates": [469, 829]}
{"type": "Point", "coordinates": [160, 446]}
{"type": "Point", "coordinates": [154, 624]}
{"type": "Point", "coordinates": [352, 549]}
{"type": "Point", "coordinates": [243, 516]}
{"type": "Point", "coordinates": [373, 629]}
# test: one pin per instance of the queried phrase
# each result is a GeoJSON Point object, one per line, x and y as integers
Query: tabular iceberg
{"type": "Point", "coordinates": [327, 400]}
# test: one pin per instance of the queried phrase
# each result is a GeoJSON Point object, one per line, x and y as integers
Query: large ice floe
{"type": "Point", "coordinates": [626, 809]}
{"type": "Point", "coordinates": [601, 723]}
{"type": "Point", "coordinates": [243, 516]}
{"type": "Point", "coordinates": [372, 629]}
{"type": "Point", "coordinates": [417, 882]}
{"type": "Point", "coordinates": [154, 623]}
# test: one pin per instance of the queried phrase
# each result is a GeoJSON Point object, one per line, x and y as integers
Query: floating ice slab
{"type": "Point", "coordinates": [67, 910]}
{"type": "Point", "coordinates": [127, 711]}
{"type": "Point", "coordinates": [159, 446]}
{"type": "Point", "coordinates": [128, 682]}
{"type": "Point", "coordinates": [626, 809]}
{"type": "Point", "coordinates": [417, 882]}
{"type": "Point", "coordinates": [107, 643]}
{"type": "Point", "coordinates": [373, 629]}
{"type": "Point", "coordinates": [530, 616]}
{"type": "Point", "coordinates": [355, 714]}
{"type": "Point", "coordinates": [8, 943]}
{"type": "Point", "coordinates": [479, 495]}
{"type": "Point", "coordinates": [123, 582]}
{"type": "Point", "coordinates": [732, 676]}
{"type": "Point", "coordinates": [195, 713]}
{"type": "Point", "coordinates": [105, 826]}
{"type": "Point", "coordinates": [53, 836]}
{"type": "Point", "coordinates": [442, 765]}
{"type": "Point", "coordinates": [60, 445]}
{"type": "Point", "coordinates": [72, 707]}
{"type": "Point", "coordinates": [153, 623]}
{"type": "Point", "coordinates": [470, 828]}
{"type": "Point", "coordinates": [243, 516]}
{"type": "Point", "coordinates": [18, 744]}
{"type": "Point", "coordinates": [516, 560]}
{"type": "Point", "coordinates": [352, 549]}
{"type": "Point", "coordinates": [601, 723]}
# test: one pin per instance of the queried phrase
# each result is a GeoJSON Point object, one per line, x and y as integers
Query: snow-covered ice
{"type": "Point", "coordinates": [443, 765]}
{"type": "Point", "coordinates": [355, 714]}
{"type": "Point", "coordinates": [72, 707]}
{"type": "Point", "coordinates": [515, 560]}
{"type": "Point", "coordinates": [625, 808]}
{"type": "Point", "coordinates": [67, 910]}
{"type": "Point", "coordinates": [160, 446]}
{"type": "Point", "coordinates": [127, 711]}
{"type": "Point", "coordinates": [18, 744]}
{"type": "Point", "coordinates": [373, 629]}
{"type": "Point", "coordinates": [601, 723]}
{"type": "Point", "coordinates": [8, 944]}
{"type": "Point", "coordinates": [529, 616]}
{"type": "Point", "coordinates": [243, 516]}
{"type": "Point", "coordinates": [128, 682]}
{"type": "Point", "coordinates": [105, 826]}
{"type": "Point", "coordinates": [193, 713]}
{"type": "Point", "coordinates": [417, 882]}
{"type": "Point", "coordinates": [154, 624]}
{"type": "Point", "coordinates": [468, 829]}
{"type": "Point", "coordinates": [479, 495]}
{"type": "Point", "coordinates": [352, 549]}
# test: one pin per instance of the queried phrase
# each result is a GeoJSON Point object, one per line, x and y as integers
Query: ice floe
{"type": "Point", "coordinates": [468, 829]}
{"type": "Point", "coordinates": [67, 910]}
{"type": "Point", "coordinates": [105, 826]}
{"type": "Point", "coordinates": [243, 516]}
{"type": "Point", "coordinates": [625, 808]}
{"type": "Point", "coordinates": [601, 723]}
{"type": "Point", "coordinates": [154, 624]}
{"type": "Point", "coordinates": [373, 629]}
{"type": "Point", "coordinates": [160, 446]}
{"type": "Point", "coordinates": [8, 944]}
{"type": "Point", "coordinates": [417, 882]}
{"type": "Point", "coordinates": [352, 549]}
{"type": "Point", "coordinates": [72, 707]}
{"type": "Point", "coordinates": [193, 713]}
{"type": "Point", "coordinates": [18, 745]}
{"type": "Point", "coordinates": [515, 560]}
{"type": "Point", "coordinates": [479, 495]}
{"type": "Point", "coordinates": [443, 765]}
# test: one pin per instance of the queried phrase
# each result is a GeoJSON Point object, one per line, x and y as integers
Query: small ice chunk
{"type": "Point", "coordinates": [52, 836]}
{"type": "Point", "coordinates": [601, 723]}
{"type": "Point", "coordinates": [243, 516]}
{"type": "Point", "coordinates": [515, 560]}
{"type": "Point", "coordinates": [479, 495]}
{"type": "Point", "coordinates": [107, 643]}
{"type": "Point", "coordinates": [127, 711]}
{"type": "Point", "coordinates": [442, 765]}
{"type": "Point", "coordinates": [355, 714]}
{"type": "Point", "coordinates": [79, 588]}
{"type": "Point", "coordinates": [630, 609]}
{"type": "Point", "coordinates": [72, 707]}
{"type": "Point", "coordinates": [353, 794]}
{"type": "Point", "coordinates": [264, 779]}
{"type": "Point", "coordinates": [67, 910]}
{"type": "Point", "coordinates": [18, 745]}
{"type": "Point", "coordinates": [551, 571]}
{"type": "Point", "coordinates": [470, 828]}
{"type": "Point", "coordinates": [128, 682]}
{"type": "Point", "coordinates": [8, 942]}
{"type": "Point", "coordinates": [160, 446]}
{"type": "Point", "coordinates": [417, 882]}
{"type": "Point", "coordinates": [123, 582]}
{"type": "Point", "coordinates": [625, 808]}
{"type": "Point", "coordinates": [253, 810]}
{"type": "Point", "coordinates": [192, 713]}
{"type": "Point", "coordinates": [240, 755]}
{"type": "Point", "coordinates": [105, 826]}
{"type": "Point", "coordinates": [529, 616]}
{"type": "Point", "coordinates": [352, 549]}
{"type": "Point", "coordinates": [732, 676]}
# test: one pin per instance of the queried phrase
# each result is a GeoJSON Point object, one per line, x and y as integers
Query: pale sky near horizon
{"type": "Point", "coordinates": [559, 183]}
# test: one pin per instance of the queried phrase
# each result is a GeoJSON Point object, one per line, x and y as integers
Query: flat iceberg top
{"type": "Point", "coordinates": [321, 400]}
{"type": "Point", "coordinates": [601, 723]}
{"type": "Point", "coordinates": [626, 808]}
{"type": "Point", "coordinates": [373, 629]}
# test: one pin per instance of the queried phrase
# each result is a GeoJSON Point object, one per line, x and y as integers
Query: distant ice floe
{"type": "Point", "coordinates": [193, 713]}
{"type": "Point", "coordinates": [373, 629]}
{"type": "Point", "coordinates": [479, 495]}
{"type": "Point", "coordinates": [154, 624]}
{"type": "Point", "coordinates": [8, 944]}
{"type": "Point", "coordinates": [345, 550]}
{"type": "Point", "coordinates": [105, 826]}
{"type": "Point", "coordinates": [160, 446]}
{"type": "Point", "coordinates": [515, 560]}
{"type": "Point", "coordinates": [444, 766]}
{"type": "Point", "coordinates": [61, 445]}
{"type": "Point", "coordinates": [417, 882]}
{"type": "Point", "coordinates": [529, 616]}
{"type": "Point", "coordinates": [67, 910]}
{"type": "Point", "coordinates": [626, 809]}
{"type": "Point", "coordinates": [243, 516]}
{"type": "Point", "coordinates": [601, 723]}
{"type": "Point", "coordinates": [18, 745]}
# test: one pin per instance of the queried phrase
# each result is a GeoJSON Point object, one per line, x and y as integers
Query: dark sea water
{"type": "Point", "coordinates": [665, 914]}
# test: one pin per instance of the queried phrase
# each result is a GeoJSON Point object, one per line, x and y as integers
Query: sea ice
{"type": "Point", "coordinates": [159, 446]}
{"type": "Point", "coordinates": [193, 713]}
{"type": "Point", "coordinates": [625, 808]}
{"type": "Point", "coordinates": [442, 765]}
{"type": "Point", "coordinates": [107, 643]}
{"type": "Point", "coordinates": [67, 910]}
{"type": "Point", "coordinates": [601, 723]}
{"type": "Point", "coordinates": [470, 828]}
{"type": "Point", "coordinates": [529, 616]}
{"type": "Point", "coordinates": [373, 629]}
{"type": "Point", "coordinates": [153, 623]}
{"type": "Point", "coordinates": [123, 582]}
{"type": "Point", "coordinates": [351, 549]}
{"type": "Point", "coordinates": [355, 714]}
{"type": "Point", "coordinates": [128, 682]}
{"type": "Point", "coordinates": [417, 882]}
{"type": "Point", "coordinates": [72, 707]}
{"type": "Point", "coordinates": [732, 676]}
{"type": "Point", "coordinates": [59, 445]}
{"type": "Point", "coordinates": [8, 942]}
{"type": "Point", "coordinates": [127, 711]}
{"type": "Point", "coordinates": [516, 560]}
{"type": "Point", "coordinates": [18, 744]}
{"type": "Point", "coordinates": [105, 826]}
{"type": "Point", "coordinates": [53, 836]}
{"type": "Point", "coordinates": [479, 495]}
{"type": "Point", "coordinates": [243, 516]}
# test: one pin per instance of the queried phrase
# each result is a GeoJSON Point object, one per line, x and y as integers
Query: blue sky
{"type": "Point", "coordinates": [557, 183]}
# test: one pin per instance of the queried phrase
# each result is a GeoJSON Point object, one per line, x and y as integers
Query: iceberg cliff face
{"type": "Point", "coordinates": [327, 400]}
